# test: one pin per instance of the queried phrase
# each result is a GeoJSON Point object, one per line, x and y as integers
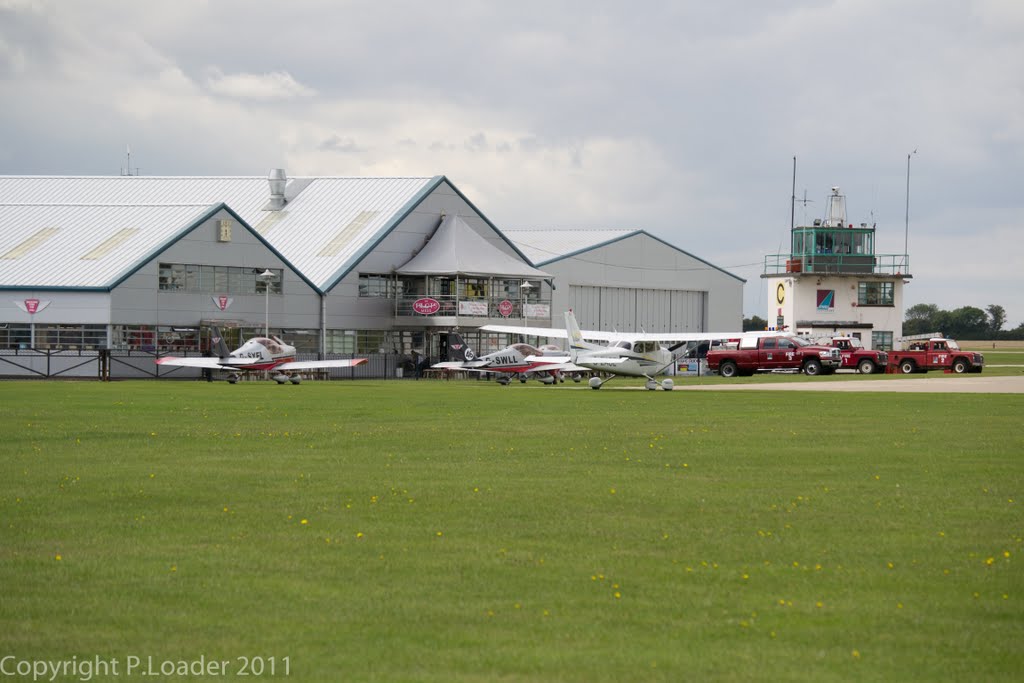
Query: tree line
{"type": "Point", "coordinates": [966, 322]}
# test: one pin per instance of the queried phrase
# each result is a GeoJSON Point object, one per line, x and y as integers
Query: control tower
{"type": "Point", "coordinates": [833, 283]}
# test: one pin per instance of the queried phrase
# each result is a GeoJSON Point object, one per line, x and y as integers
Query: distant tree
{"type": "Point", "coordinates": [922, 319]}
{"type": "Point", "coordinates": [967, 322]}
{"type": "Point", "coordinates": [754, 324]}
{"type": "Point", "coordinates": [997, 317]}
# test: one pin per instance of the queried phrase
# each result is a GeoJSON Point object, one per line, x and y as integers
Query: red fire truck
{"type": "Point", "coordinates": [856, 357]}
{"type": "Point", "coordinates": [765, 354]}
{"type": "Point", "coordinates": [936, 353]}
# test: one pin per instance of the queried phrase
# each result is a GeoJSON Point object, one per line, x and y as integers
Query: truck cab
{"type": "Point", "coordinates": [856, 357]}
{"type": "Point", "coordinates": [770, 353]}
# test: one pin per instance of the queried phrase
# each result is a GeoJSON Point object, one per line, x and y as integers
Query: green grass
{"type": "Point", "coordinates": [436, 531]}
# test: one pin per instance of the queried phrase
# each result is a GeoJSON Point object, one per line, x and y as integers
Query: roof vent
{"type": "Point", "coordinates": [278, 179]}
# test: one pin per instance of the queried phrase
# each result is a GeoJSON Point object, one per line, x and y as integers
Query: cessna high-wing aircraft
{"type": "Point", "coordinates": [258, 353]}
{"type": "Point", "coordinates": [628, 354]}
{"type": "Point", "coordinates": [547, 363]}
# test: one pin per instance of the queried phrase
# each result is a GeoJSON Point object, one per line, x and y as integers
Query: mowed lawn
{"type": "Point", "coordinates": [462, 531]}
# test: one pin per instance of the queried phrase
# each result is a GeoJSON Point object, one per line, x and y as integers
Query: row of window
{"type": "Point", "coordinates": [389, 286]}
{"type": "Point", "coordinates": [188, 277]}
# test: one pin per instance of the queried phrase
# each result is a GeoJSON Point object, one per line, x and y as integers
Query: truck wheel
{"type": "Point", "coordinates": [907, 367]}
{"type": "Point", "coordinates": [866, 366]}
{"type": "Point", "coordinates": [728, 369]}
{"type": "Point", "coordinates": [960, 366]}
{"type": "Point", "coordinates": [812, 367]}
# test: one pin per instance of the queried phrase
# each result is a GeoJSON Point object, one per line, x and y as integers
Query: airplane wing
{"type": "Point", "coordinates": [321, 364]}
{"type": "Point", "coordinates": [198, 362]}
{"type": "Point", "coordinates": [552, 332]}
{"type": "Point", "coordinates": [602, 335]}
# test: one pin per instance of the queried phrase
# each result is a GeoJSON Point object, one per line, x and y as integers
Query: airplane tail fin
{"type": "Point", "coordinates": [458, 349]}
{"type": "Point", "coordinates": [217, 344]}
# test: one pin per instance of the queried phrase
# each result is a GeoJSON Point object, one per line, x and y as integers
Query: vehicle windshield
{"type": "Point", "coordinates": [799, 341]}
{"type": "Point", "coordinates": [952, 345]}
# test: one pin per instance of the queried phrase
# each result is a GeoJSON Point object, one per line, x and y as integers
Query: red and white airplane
{"type": "Point", "coordinates": [548, 363]}
{"type": "Point", "coordinates": [258, 353]}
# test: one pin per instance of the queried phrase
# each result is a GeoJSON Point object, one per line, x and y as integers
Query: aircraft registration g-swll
{"type": "Point", "coordinates": [258, 353]}
{"type": "Point", "coordinates": [628, 354]}
{"type": "Point", "coordinates": [547, 363]}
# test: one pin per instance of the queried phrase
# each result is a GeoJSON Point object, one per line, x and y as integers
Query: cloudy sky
{"type": "Point", "coordinates": [681, 118]}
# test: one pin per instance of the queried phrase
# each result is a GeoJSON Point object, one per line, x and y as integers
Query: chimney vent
{"type": "Point", "coordinates": [278, 179]}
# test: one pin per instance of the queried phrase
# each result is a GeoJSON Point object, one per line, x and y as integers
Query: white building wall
{"type": "Point", "coordinates": [642, 283]}
{"type": "Point", "coordinates": [138, 300]}
{"type": "Point", "coordinates": [800, 304]}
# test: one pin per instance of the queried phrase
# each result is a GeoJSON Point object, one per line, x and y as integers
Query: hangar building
{"type": "Point", "coordinates": [335, 265]}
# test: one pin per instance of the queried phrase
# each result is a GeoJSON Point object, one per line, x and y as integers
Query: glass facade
{"type": "Point", "coordinates": [184, 277]}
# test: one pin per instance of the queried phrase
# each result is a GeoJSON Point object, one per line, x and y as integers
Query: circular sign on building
{"type": "Point", "coordinates": [426, 306]}
{"type": "Point", "coordinates": [780, 293]}
{"type": "Point", "coordinates": [505, 308]}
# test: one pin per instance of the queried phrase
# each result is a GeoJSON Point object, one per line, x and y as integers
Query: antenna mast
{"type": "Point", "coordinates": [127, 169]}
{"type": "Point", "coordinates": [792, 199]}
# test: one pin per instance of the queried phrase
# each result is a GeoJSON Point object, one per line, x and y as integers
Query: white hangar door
{"type": "Point", "coordinates": [633, 310]}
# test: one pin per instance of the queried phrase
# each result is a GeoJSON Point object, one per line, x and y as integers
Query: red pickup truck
{"type": "Point", "coordinates": [856, 357]}
{"type": "Point", "coordinates": [764, 354]}
{"type": "Point", "coordinates": [935, 354]}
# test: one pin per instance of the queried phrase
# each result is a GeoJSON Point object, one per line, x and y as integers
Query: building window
{"type": "Point", "coordinates": [15, 336]}
{"type": "Point", "coordinates": [881, 340]}
{"type": "Point", "coordinates": [71, 337]}
{"type": "Point", "coordinates": [875, 294]}
{"type": "Point", "coordinates": [376, 286]}
{"type": "Point", "coordinates": [185, 277]}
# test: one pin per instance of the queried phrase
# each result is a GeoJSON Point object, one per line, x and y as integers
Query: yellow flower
{"type": "Point", "coordinates": [57, 557]}
{"type": "Point", "coordinates": [305, 521]}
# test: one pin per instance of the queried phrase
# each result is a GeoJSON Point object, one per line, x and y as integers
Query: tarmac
{"type": "Point", "coordinates": [956, 384]}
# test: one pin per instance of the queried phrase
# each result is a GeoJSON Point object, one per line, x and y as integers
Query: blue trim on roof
{"type": "Point", "coordinates": [634, 234]}
{"type": "Point", "coordinates": [50, 288]}
{"type": "Point", "coordinates": [213, 211]}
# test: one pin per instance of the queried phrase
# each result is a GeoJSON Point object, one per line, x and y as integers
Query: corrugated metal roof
{"type": "Point", "coordinates": [327, 224]}
{"type": "Point", "coordinates": [542, 246]}
{"type": "Point", "coordinates": [93, 247]}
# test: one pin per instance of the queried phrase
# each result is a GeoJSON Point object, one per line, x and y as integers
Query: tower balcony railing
{"type": "Point", "coordinates": [837, 264]}
{"type": "Point", "coordinates": [450, 306]}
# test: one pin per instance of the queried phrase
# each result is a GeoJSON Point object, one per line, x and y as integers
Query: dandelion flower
{"type": "Point", "coordinates": [57, 557]}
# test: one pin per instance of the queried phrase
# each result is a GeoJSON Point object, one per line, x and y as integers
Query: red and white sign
{"type": "Point", "coordinates": [426, 306]}
{"type": "Point", "coordinates": [32, 306]}
{"type": "Point", "coordinates": [222, 301]}
{"type": "Point", "coordinates": [473, 308]}
{"type": "Point", "coordinates": [505, 308]}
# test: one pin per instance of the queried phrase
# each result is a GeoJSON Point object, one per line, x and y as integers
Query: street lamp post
{"type": "Point", "coordinates": [525, 287]}
{"type": "Point", "coordinates": [266, 277]}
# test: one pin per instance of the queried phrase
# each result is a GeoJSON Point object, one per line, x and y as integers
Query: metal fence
{"type": "Point", "coordinates": [117, 364]}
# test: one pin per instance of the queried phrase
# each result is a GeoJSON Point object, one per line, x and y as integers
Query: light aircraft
{"type": "Point", "coordinates": [630, 355]}
{"type": "Point", "coordinates": [547, 363]}
{"type": "Point", "coordinates": [258, 353]}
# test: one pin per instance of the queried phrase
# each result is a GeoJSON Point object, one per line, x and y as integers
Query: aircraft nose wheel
{"type": "Point", "coordinates": [651, 385]}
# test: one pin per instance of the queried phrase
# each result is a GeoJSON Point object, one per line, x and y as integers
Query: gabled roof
{"type": "Point", "coordinates": [456, 249]}
{"type": "Point", "coordinates": [327, 225]}
{"type": "Point", "coordinates": [551, 245]}
{"type": "Point", "coordinates": [94, 247]}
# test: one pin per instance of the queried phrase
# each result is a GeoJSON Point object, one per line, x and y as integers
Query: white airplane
{"type": "Point", "coordinates": [258, 353]}
{"type": "Point", "coordinates": [547, 363]}
{"type": "Point", "coordinates": [630, 355]}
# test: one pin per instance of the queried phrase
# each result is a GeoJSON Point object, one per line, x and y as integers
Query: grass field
{"type": "Point", "coordinates": [461, 531]}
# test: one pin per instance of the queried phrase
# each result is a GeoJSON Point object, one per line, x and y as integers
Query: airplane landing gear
{"type": "Point", "coordinates": [233, 378]}
{"type": "Point", "coordinates": [595, 382]}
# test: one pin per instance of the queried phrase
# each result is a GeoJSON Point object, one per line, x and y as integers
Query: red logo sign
{"type": "Point", "coordinates": [32, 305]}
{"type": "Point", "coordinates": [505, 308]}
{"type": "Point", "coordinates": [426, 306]}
